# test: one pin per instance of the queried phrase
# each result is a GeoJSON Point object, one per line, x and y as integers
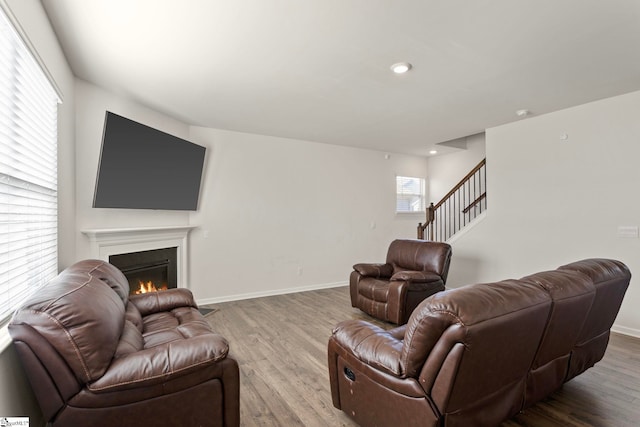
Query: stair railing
{"type": "Point", "coordinates": [458, 207]}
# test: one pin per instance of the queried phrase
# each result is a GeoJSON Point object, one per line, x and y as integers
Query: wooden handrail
{"type": "Point", "coordinates": [474, 203]}
{"type": "Point", "coordinates": [461, 183]}
{"type": "Point", "coordinates": [441, 219]}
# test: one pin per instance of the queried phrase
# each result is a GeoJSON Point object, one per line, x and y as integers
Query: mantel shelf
{"type": "Point", "coordinates": [97, 233]}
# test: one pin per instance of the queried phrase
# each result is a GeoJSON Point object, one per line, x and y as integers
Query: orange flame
{"type": "Point", "coordinates": [143, 288]}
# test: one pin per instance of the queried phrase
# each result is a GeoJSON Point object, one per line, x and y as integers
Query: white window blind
{"type": "Point", "coordinates": [28, 173]}
{"type": "Point", "coordinates": [410, 194]}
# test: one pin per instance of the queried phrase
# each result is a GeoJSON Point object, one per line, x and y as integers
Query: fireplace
{"type": "Point", "coordinates": [149, 270]}
{"type": "Point", "coordinates": [106, 243]}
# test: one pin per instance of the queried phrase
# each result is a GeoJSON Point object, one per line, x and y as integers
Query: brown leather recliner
{"type": "Point", "coordinates": [479, 354]}
{"type": "Point", "coordinates": [96, 356]}
{"type": "Point", "coordinates": [415, 270]}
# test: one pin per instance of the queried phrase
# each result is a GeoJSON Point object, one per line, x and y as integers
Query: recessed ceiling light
{"type": "Point", "coordinates": [433, 152]}
{"type": "Point", "coordinates": [522, 113]}
{"type": "Point", "coordinates": [401, 67]}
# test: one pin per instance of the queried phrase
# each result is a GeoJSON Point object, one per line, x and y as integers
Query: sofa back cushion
{"type": "Point", "coordinates": [611, 280]}
{"type": "Point", "coordinates": [572, 294]}
{"type": "Point", "coordinates": [420, 255]}
{"type": "Point", "coordinates": [81, 314]}
{"type": "Point", "coordinates": [109, 274]}
{"type": "Point", "coordinates": [499, 326]}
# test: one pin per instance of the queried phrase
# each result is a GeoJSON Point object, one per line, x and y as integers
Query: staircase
{"type": "Point", "coordinates": [459, 207]}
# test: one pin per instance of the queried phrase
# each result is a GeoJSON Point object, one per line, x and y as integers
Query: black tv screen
{"type": "Point", "coordinates": [144, 168]}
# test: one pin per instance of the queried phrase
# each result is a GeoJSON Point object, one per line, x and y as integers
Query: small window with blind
{"type": "Point", "coordinates": [410, 194]}
{"type": "Point", "coordinates": [28, 173]}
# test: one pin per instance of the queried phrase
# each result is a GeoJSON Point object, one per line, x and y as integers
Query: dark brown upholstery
{"type": "Point", "coordinates": [415, 269]}
{"type": "Point", "coordinates": [95, 356]}
{"type": "Point", "coordinates": [610, 288]}
{"type": "Point", "coordinates": [479, 354]}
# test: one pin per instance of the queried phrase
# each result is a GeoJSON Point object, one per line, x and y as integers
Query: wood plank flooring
{"type": "Point", "coordinates": [280, 343]}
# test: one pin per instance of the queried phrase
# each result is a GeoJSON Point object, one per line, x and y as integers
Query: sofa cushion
{"type": "Point", "coordinates": [178, 324]}
{"type": "Point", "coordinates": [371, 344]}
{"type": "Point", "coordinates": [110, 275]}
{"type": "Point", "coordinates": [610, 279]}
{"type": "Point", "coordinates": [81, 314]}
{"type": "Point", "coordinates": [572, 294]}
{"type": "Point", "coordinates": [173, 343]}
{"type": "Point", "coordinates": [374, 270]}
{"type": "Point", "coordinates": [133, 315]}
{"type": "Point", "coordinates": [130, 341]}
{"type": "Point", "coordinates": [477, 308]}
{"type": "Point", "coordinates": [420, 256]}
{"type": "Point", "coordinates": [374, 289]}
{"type": "Point", "coordinates": [154, 302]}
{"type": "Point", "coordinates": [416, 276]}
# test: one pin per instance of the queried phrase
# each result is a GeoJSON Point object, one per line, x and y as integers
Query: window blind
{"type": "Point", "coordinates": [410, 194]}
{"type": "Point", "coordinates": [28, 173]}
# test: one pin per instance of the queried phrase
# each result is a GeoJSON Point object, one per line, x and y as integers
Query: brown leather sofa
{"type": "Point", "coordinates": [96, 356]}
{"type": "Point", "coordinates": [479, 354]}
{"type": "Point", "coordinates": [414, 270]}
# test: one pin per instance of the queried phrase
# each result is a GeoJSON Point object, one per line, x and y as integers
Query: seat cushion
{"type": "Point", "coordinates": [177, 324]}
{"type": "Point", "coordinates": [374, 289]}
{"type": "Point", "coordinates": [172, 343]}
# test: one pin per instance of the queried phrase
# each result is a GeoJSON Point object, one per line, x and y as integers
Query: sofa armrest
{"type": "Point", "coordinates": [374, 270]}
{"type": "Point", "coordinates": [162, 363]}
{"type": "Point", "coordinates": [371, 344]}
{"type": "Point", "coordinates": [154, 302]}
{"type": "Point", "coordinates": [416, 276]}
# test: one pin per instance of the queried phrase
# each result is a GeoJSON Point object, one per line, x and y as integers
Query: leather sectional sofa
{"type": "Point", "coordinates": [96, 356]}
{"type": "Point", "coordinates": [479, 354]}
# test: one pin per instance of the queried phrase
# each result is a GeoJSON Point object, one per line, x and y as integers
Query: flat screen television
{"type": "Point", "coordinates": [144, 168]}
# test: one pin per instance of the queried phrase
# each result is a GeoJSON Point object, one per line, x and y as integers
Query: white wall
{"type": "Point", "coordinates": [91, 103]}
{"type": "Point", "coordinates": [16, 398]}
{"type": "Point", "coordinates": [554, 201]}
{"type": "Point", "coordinates": [445, 171]}
{"type": "Point", "coordinates": [279, 214]}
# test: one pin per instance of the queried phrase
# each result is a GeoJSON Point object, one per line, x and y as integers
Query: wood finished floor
{"type": "Point", "coordinates": [280, 343]}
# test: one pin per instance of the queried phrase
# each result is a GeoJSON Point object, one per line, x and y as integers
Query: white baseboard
{"type": "Point", "coordinates": [238, 297]}
{"type": "Point", "coordinates": [626, 331]}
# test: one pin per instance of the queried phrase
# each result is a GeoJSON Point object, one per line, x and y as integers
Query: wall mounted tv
{"type": "Point", "coordinates": [144, 168]}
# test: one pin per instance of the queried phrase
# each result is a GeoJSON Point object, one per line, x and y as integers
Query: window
{"type": "Point", "coordinates": [409, 194]}
{"type": "Point", "coordinates": [28, 173]}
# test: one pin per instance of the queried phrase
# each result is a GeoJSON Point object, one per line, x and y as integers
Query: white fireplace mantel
{"type": "Point", "coordinates": [114, 241]}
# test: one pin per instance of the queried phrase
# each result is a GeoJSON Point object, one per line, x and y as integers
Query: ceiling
{"type": "Point", "coordinates": [318, 70]}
